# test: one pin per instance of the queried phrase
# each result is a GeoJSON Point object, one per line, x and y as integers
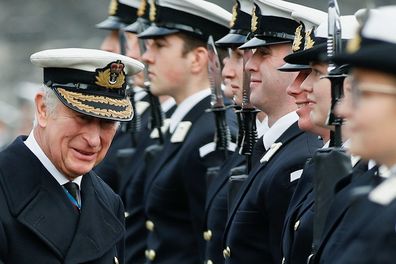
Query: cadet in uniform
{"type": "Point", "coordinates": [54, 209]}
{"type": "Point", "coordinates": [254, 226]}
{"type": "Point", "coordinates": [175, 191]}
{"type": "Point", "coordinates": [371, 238]}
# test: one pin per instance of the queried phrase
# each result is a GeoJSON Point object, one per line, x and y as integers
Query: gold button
{"type": "Point", "coordinates": [116, 260]}
{"type": "Point", "coordinates": [207, 235]}
{"type": "Point", "coordinates": [209, 262]}
{"type": "Point", "coordinates": [150, 225]}
{"type": "Point", "coordinates": [227, 252]}
{"type": "Point", "coordinates": [283, 260]}
{"type": "Point", "coordinates": [296, 224]}
{"type": "Point", "coordinates": [150, 254]}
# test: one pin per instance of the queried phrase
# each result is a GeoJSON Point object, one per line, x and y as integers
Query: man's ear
{"type": "Point", "coordinates": [41, 110]}
{"type": "Point", "coordinates": [199, 60]}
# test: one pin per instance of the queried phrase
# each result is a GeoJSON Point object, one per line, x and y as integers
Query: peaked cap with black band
{"type": "Point", "coordinates": [239, 25]}
{"type": "Point", "coordinates": [317, 52]}
{"type": "Point", "coordinates": [120, 14]}
{"type": "Point", "coordinates": [197, 18]}
{"type": "Point", "coordinates": [271, 24]}
{"type": "Point", "coordinates": [374, 46]}
{"type": "Point", "coordinates": [143, 18]}
{"type": "Point", "coordinates": [309, 20]}
{"type": "Point", "coordinates": [89, 81]}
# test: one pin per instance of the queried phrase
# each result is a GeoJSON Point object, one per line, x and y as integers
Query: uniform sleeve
{"type": "Point", "coordinates": [121, 244]}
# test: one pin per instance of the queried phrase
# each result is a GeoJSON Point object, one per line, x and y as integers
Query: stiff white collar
{"type": "Point", "coordinates": [278, 128]}
{"type": "Point", "coordinates": [262, 127]}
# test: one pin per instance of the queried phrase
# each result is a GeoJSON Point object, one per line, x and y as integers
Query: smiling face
{"type": "Point", "coordinates": [373, 119]}
{"type": "Point", "coordinates": [268, 85]}
{"type": "Point", "coordinates": [74, 142]}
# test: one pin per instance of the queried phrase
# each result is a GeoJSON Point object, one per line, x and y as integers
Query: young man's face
{"type": "Point", "coordinates": [233, 74]}
{"type": "Point", "coordinates": [111, 42]}
{"type": "Point", "coordinates": [373, 119]}
{"type": "Point", "coordinates": [132, 49]}
{"type": "Point", "coordinates": [168, 67]}
{"type": "Point", "coordinates": [268, 85]}
{"type": "Point", "coordinates": [74, 142]}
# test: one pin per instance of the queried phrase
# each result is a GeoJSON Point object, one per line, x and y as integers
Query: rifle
{"type": "Point", "coordinates": [248, 116]}
{"type": "Point", "coordinates": [222, 134]}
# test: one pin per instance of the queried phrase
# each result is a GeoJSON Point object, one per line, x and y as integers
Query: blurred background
{"type": "Point", "coordinates": [30, 26]}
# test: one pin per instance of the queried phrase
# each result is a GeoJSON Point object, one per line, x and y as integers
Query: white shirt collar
{"type": "Point", "coordinates": [354, 159]}
{"type": "Point", "coordinates": [262, 127]}
{"type": "Point", "coordinates": [167, 104]}
{"type": "Point", "coordinates": [278, 128]}
{"type": "Point", "coordinates": [34, 147]}
{"type": "Point", "coordinates": [184, 107]}
{"type": "Point", "coordinates": [139, 93]}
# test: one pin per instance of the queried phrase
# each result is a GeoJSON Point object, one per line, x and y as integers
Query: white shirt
{"type": "Point", "coordinates": [167, 104]}
{"type": "Point", "coordinates": [262, 126]}
{"type": "Point", "coordinates": [139, 93]}
{"type": "Point", "coordinates": [185, 107]}
{"type": "Point", "coordinates": [278, 128]}
{"type": "Point", "coordinates": [32, 144]}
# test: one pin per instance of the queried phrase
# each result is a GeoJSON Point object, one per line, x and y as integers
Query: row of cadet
{"type": "Point", "coordinates": [281, 183]}
{"type": "Point", "coordinates": [260, 135]}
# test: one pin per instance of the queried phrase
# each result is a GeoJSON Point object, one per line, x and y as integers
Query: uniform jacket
{"type": "Point", "coordinates": [216, 210]}
{"type": "Point", "coordinates": [254, 227]}
{"type": "Point", "coordinates": [38, 223]}
{"type": "Point", "coordinates": [175, 192]}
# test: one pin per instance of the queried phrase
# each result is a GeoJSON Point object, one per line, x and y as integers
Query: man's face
{"type": "Point", "coordinates": [233, 74]}
{"type": "Point", "coordinates": [168, 67]}
{"type": "Point", "coordinates": [268, 85]}
{"type": "Point", "coordinates": [373, 119]}
{"type": "Point", "coordinates": [319, 94]}
{"type": "Point", "coordinates": [111, 42]}
{"type": "Point", "coordinates": [344, 108]}
{"type": "Point", "coordinates": [132, 50]}
{"type": "Point", "coordinates": [74, 142]}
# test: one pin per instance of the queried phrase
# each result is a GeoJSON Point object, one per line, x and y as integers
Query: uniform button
{"type": "Point", "coordinates": [150, 225]}
{"type": "Point", "coordinates": [227, 252]}
{"type": "Point", "coordinates": [209, 262]}
{"type": "Point", "coordinates": [296, 224]}
{"type": "Point", "coordinates": [116, 260]}
{"type": "Point", "coordinates": [207, 235]}
{"type": "Point", "coordinates": [150, 254]}
{"type": "Point", "coordinates": [283, 260]}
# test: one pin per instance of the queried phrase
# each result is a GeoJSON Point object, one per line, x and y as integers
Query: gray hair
{"type": "Point", "coordinates": [51, 101]}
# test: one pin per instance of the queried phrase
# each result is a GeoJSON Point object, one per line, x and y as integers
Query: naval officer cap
{"type": "Point", "coordinates": [89, 81]}
{"type": "Point", "coordinates": [271, 24]}
{"type": "Point", "coordinates": [309, 19]}
{"type": "Point", "coordinates": [120, 14]}
{"type": "Point", "coordinates": [143, 17]}
{"type": "Point", "coordinates": [317, 52]}
{"type": "Point", "coordinates": [239, 25]}
{"type": "Point", "coordinates": [374, 47]}
{"type": "Point", "coordinates": [197, 18]}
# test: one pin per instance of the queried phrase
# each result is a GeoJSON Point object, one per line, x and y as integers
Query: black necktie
{"type": "Point", "coordinates": [258, 151]}
{"type": "Point", "coordinates": [73, 189]}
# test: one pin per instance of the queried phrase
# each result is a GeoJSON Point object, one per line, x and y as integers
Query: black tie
{"type": "Point", "coordinates": [258, 151]}
{"type": "Point", "coordinates": [72, 188]}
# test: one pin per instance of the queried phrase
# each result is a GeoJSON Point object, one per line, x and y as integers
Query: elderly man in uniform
{"type": "Point", "coordinates": [54, 209]}
{"type": "Point", "coordinates": [253, 230]}
{"type": "Point", "coordinates": [177, 59]}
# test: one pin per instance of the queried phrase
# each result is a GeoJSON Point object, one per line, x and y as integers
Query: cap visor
{"type": "Point", "coordinates": [287, 67]}
{"type": "Point", "coordinates": [155, 32]}
{"type": "Point", "coordinates": [231, 40]}
{"type": "Point", "coordinates": [110, 23]}
{"type": "Point", "coordinates": [259, 42]}
{"type": "Point", "coordinates": [304, 57]}
{"type": "Point", "coordinates": [117, 109]}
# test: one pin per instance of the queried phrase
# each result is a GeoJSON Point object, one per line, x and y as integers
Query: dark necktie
{"type": "Point", "coordinates": [72, 189]}
{"type": "Point", "coordinates": [258, 151]}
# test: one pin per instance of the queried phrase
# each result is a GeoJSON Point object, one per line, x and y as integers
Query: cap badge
{"type": "Point", "coordinates": [142, 8]}
{"type": "Point", "coordinates": [112, 76]}
{"type": "Point", "coordinates": [254, 21]}
{"type": "Point", "coordinates": [309, 42]}
{"type": "Point", "coordinates": [113, 7]}
{"type": "Point", "coordinates": [153, 11]}
{"type": "Point", "coordinates": [354, 44]}
{"type": "Point", "coordinates": [297, 39]}
{"type": "Point", "coordinates": [234, 14]}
